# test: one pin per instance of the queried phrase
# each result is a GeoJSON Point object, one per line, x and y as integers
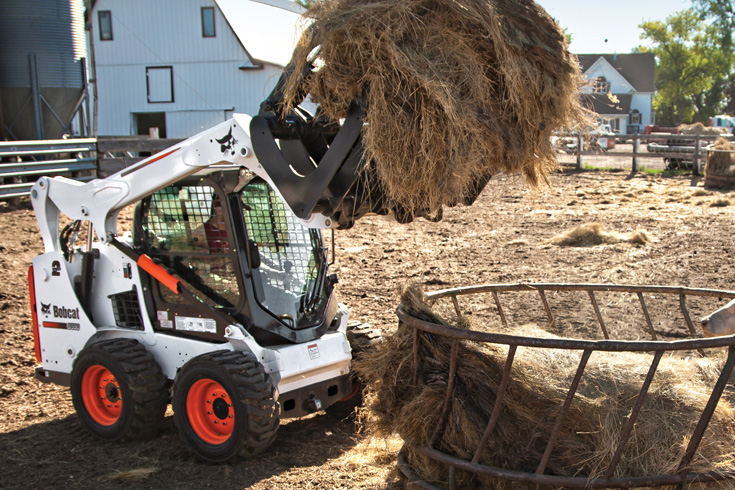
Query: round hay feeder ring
{"type": "Point", "coordinates": [663, 318]}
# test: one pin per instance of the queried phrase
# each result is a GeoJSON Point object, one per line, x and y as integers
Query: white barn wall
{"type": "Point", "coordinates": [207, 80]}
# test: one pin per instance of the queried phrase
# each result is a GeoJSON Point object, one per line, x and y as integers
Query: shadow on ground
{"type": "Point", "coordinates": [81, 461]}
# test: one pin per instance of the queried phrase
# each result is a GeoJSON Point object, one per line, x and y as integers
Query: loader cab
{"type": "Point", "coordinates": [236, 245]}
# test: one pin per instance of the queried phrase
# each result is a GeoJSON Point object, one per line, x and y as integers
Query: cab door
{"type": "Point", "coordinates": [188, 229]}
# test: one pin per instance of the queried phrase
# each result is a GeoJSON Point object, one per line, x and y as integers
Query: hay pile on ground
{"type": "Point", "coordinates": [699, 128]}
{"type": "Point", "coordinates": [720, 162]}
{"type": "Point", "coordinates": [539, 383]}
{"type": "Point", "coordinates": [591, 234]}
{"type": "Point", "coordinates": [455, 90]}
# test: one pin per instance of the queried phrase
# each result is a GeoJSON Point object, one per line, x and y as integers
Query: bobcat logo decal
{"type": "Point", "coordinates": [227, 143]}
{"type": "Point", "coordinates": [46, 309]}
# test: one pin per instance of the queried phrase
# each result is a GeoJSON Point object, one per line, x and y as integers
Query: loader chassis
{"type": "Point", "coordinates": [262, 301]}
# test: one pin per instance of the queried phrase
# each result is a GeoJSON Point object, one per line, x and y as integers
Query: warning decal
{"type": "Point", "coordinates": [194, 324]}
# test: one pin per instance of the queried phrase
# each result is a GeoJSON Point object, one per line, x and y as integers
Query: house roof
{"type": "Point", "coordinates": [603, 105]}
{"type": "Point", "coordinates": [267, 29]}
{"type": "Point", "coordinates": [638, 68]}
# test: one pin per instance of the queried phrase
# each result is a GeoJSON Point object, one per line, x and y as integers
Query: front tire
{"type": "Point", "coordinates": [118, 390]}
{"type": "Point", "coordinates": [225, 406]}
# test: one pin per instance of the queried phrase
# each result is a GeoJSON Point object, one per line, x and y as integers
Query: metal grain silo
{"type": "Point", "coordinates": [42, 68]}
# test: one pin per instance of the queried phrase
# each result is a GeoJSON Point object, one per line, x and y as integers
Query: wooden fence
{"type": "Point", "coordinates": [676, 150]}
{"type": "Point", "coordinates": [22, 162]}
{"type": "Point", "coordinates": [114, 154]}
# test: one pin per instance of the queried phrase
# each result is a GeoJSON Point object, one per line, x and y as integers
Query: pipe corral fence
{"type": "Point", "coordinates": [82, 159]}
{"type": "Point", "coordinates": [487, 298]}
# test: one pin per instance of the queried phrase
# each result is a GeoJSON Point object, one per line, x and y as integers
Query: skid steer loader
{"type": "Point", "coordinates": [220, 301]}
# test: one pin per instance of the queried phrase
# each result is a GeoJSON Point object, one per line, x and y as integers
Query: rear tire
{"type": "Point", "coordinates": [225, 406]}
{"type": "Point", "coordinates": [118, 390]}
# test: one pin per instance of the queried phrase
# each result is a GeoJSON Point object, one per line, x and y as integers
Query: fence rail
{"type": "Point", "coordinates": [676, 150]}
{"type": "Point", "coordinates": [22, 162]}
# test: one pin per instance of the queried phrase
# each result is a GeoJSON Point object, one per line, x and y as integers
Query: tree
{"type": "Point", "coordinates": [721, 14]}
{"type": "Point", "coordinates": [690, 67]}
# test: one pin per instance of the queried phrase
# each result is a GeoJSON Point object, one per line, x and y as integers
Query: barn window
{"type": "Point", "coordinates": [159, 84]}
{"type": "Point", "coordinates": [105, 22]}
{"type": "Point", "coordinates": [208, 22]}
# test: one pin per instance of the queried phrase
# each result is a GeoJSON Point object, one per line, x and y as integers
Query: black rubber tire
{"type": "Point", "coordinates": [254, 406]}
{"type": "Point", "coordinates": [139, 384]}
{"type": "Point", "coordinates": [362, 338]}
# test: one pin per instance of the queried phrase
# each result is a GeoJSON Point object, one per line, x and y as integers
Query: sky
{"type": "Point", "coordinates": [608, 27]}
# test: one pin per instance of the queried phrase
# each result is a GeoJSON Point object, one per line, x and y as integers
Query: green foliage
{"type": "Point", "coordinates": [694, 62]}
{"type": "Point", "coordinates": [721, 14]}
{"type": "Point", "coordinates": [305, 3]}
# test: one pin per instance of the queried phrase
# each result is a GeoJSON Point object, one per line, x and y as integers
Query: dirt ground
{"type": "Point", "coordinates": [501, 239]}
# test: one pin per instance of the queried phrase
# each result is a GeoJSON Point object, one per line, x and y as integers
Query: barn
{"type": "Point", "coordinates": [175, 67]}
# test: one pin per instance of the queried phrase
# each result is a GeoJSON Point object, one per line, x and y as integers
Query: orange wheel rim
{"type": "Point", "coordinates": [210, 413]}
{"type": "Point", "coordinates": [101, 395]}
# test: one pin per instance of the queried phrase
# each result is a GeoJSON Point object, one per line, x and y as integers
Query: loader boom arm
{"type": "Point", "coordinates": [99, 201]}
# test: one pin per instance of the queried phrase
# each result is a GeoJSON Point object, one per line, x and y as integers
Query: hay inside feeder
{"type": "Point", "coordinates": [455, 90]}
{"type": "Point", "coordinates": [539, 383]}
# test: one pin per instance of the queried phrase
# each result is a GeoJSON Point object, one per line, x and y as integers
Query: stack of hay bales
{"type": "Point", "coordinates": [455, 90]}
{"type": "Point", "coordinates": [719, 170]}
{"type": "Point", "coordinates": [539, 382]}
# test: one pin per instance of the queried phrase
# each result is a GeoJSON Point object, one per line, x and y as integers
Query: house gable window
{"type": "Point", "coordinates": [105, 22]}
{"type": "Point", "coordinates": [635, 117]}
{"type": "Point", "coordinates": [601, 85]}
{"type": "Point", "coordinates": [159, 84]}
{"type": "Point", "coordinates": [208, 28]}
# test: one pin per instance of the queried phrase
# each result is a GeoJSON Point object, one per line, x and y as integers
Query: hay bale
{"type": "Point", "coordinates": [699, 128]}
{"type": "Point", "coordinates": [539, 383]}
{"type": "Point", "coordinates": [591, 234]}
{"type": "Point", "coordinates": [455, 90]}
{"type": "Point", "coordinates": [719, 162]}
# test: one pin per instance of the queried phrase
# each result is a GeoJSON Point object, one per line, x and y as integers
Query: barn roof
{"type": "Point", "coordinates": [637, 68]}
{"type": "Point", "coordinates": [267, 29]}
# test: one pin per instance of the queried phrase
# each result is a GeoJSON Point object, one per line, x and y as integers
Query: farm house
{"type": "Point", "coordinates": [622, 89]}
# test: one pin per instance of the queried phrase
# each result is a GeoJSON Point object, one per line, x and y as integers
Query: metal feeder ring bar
{"type": "Point", "coordinates": [658, 347]}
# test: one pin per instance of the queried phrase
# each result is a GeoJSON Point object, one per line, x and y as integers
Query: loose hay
{"type": "Point", "coordinates": [591, 234]}
{"type": "Point", "coordinates": [455, 90]}
{"type": "Point", "coordinates": [539, 383]}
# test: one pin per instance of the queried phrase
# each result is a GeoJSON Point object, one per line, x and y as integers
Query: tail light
{"type": "Point", "coordinates": [34, 315]}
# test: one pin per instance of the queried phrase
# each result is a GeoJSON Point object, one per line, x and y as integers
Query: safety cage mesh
{"type": "Point", "coordinates": [126, 308]}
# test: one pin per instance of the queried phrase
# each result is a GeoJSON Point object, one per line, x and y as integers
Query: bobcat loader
{"type": "Point", "coordinates": [220, 301]}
